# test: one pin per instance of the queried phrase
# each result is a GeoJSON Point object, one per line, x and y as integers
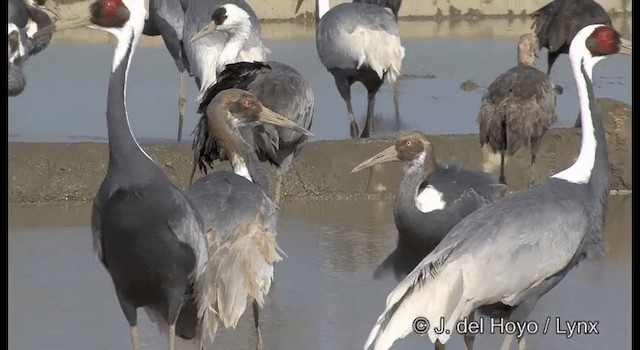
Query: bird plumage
{"type": "Point", "coordinates": [203, 54]}
{"type": "Point", "coordinates": [240, 220]}
{"type": "Point", "coordinates": [557, 222]}
{"type": "Point", "coordinates": [280, 88]}
{"type": "Point", "coordinates": [557, 22]}
{"type": "Point", "coordinates": [393, 5]}
{"type": "Point", "coordinates": [25, 39]}
{"type": "Point", "coordinates": [463, 191]}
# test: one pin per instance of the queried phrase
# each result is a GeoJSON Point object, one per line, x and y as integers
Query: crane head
{"type": "Point", "coordinates": [224, 18]}
{"type": "Point", "coordinates": [242, 108]}
{"type": "Point", "coordinates": [597, 41]}
{"type": "Point", "coordinates": [115, 15]}
{"type": "Point", "coordinates": [413, 146]}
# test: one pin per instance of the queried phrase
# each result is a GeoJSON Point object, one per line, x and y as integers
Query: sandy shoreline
{"type": "Point", "coordinates": [72, 172]}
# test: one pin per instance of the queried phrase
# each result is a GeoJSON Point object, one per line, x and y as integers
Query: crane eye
{"type": "Point", "coordinates": [409, 142]}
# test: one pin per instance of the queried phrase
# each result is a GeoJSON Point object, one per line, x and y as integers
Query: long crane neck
{"type": "Point", "coordinates": [415, 175]}
{"type": "Point", "coordinates": [236, 39]}
{"type": "Point", "coordinates": [239, 150]}
{"type": "Point", "coordinates": [592, 165]}
{"type": "Point", "coordinates": [123, 147]}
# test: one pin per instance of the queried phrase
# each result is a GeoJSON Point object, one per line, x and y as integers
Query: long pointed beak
{"type": "Point", "coordinates": [64, 24]}
{"type": "Point", "coordinates": [210, 28]}
{"type": "Point", "coordinates": [388, 155]}
{"type": "Point", "coordinates": [298, 6]}
{"type": "Point", "coordinates": [268, 116]}
{"type": "Point", "coordinates": [625, 46]}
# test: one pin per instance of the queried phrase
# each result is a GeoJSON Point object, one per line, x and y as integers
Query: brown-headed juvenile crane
{"type": "Point", "coordinates": [278, 86]}
{"type": "Point", "coordinates": [514, 250]}
{"type": "Point", "coordinates": [431, 200]}
{"type": "Point", "coordinates": [518, 108]}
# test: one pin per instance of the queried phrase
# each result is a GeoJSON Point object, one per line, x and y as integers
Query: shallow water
{"type": "Point", "coordinates": [66, 93]}
{"type": "Point", "coordinates": [323, 297]}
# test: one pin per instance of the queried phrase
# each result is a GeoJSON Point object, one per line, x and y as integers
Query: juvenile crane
{"type": "Point", "coordinates": [518, 108]}
{"type": "Point", "coordinates": [516, 249]}
{"type": "Point", "coordinates": [239, 217]}
{"type": "Point", "coordinates": [431, 200]}
{"type": "Point", "coordinates": [359, 42]}
{"type": "Point", "coordinates": [277, 85]}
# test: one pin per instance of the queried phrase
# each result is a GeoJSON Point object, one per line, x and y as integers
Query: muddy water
{"type": "Point", "coordinates": [323, 297]}
{"type": "Point", "coordinates": [66, 92]}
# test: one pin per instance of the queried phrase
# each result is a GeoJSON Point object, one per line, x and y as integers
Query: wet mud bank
{"type": "Point", "coordinates": [72, 172]}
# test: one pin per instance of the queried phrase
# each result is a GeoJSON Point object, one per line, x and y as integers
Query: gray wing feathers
{"type": "Point", "coordinates": [283, 90]}
{"type": "Point", "coordinates": [515, 225]}
{"type": "Point", "coordinates": [241, 234]}
{"type": "Point", "coordinates": [167, 18]}
{"type": "Point", "coordinates": [188, 228]}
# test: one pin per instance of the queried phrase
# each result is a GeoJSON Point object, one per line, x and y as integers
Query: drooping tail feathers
{"type": "Point", "coordinates": [432, 291]}
{"type": "Point", "coordinates": [205, 148]}
{"type": "Point", "coordinates": [242, 268]}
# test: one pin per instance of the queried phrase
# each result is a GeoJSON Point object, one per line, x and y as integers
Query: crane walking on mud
{"type": "Point", "coordinates": [518, 108]}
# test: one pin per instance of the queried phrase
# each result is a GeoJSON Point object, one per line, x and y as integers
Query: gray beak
{"type": "Point", "coordinates": [210, 28]}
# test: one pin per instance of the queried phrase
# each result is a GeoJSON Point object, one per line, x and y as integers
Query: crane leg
{"type": "Point", "coordinates": [131, 314]}
{"type": "Point", "coordinates": [396, 103]}
{"type": "Point", "coordinates": [372, 90]}
{"type": "Point", "coordinates": [172, 337]}
{"type": "Point", "coordinates": [502, 178]}
{"type": "Point", "coordinates": [182, 97]}
{"type": "Point", "coordinates": [531, 173]}
{"type": "Point", "coordinates": [281, 171]}
{"type": "Point", "coordinates": [578, 123]}
{"type": "Point", "coordinates": [469, 338]}
{"type": "Point", "coordinates": [344, 88]}
{"type": "Point", "coordinates": [506, 344]}
{"type": "Point", "coordinates": [439, 345]}
{"type": "Point", "coordinates": [135, 338]}
{"type": "Point", "coordinates": [256, 320]}
{"type": "Point", "coordinates": [521, 344]}
{"type": "Point", "coordinates": [368, 124]}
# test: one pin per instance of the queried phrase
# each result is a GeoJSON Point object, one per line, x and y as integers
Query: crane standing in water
{"type": "Point", "coordinates": [494, 254]}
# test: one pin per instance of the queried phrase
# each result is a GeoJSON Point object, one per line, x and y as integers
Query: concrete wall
{"type": "Point", "coordinates": [283, 10]}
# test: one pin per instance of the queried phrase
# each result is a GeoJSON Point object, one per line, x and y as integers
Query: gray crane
{"type": "Point", "coordinates": [277, 85]}
{"type": "Point", "coordinates": [26, 19]}
{"type": "Point", "coordinates": [431, 200]}
{"type": "Point", "coordinates": [206, 57]}
{"type": "Point", "coordinates": [516, 249]}
{"type": "Point", "coordinates": [239, 216]}
{"type": "Point", "coordinates": [393, 5]}
{"type": "Point", "coordinates": [166, 18]}
{"type": "Point", "coordinates": [161, 247]}
{"type": "Point", "coordinates": [146, 232]}
{"type": "Point", "coordinates": [518, 107]}
{"type": "Point", "coordinates": [359, 42]}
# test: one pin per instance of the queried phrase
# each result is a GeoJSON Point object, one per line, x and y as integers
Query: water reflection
{"type": "Point", "coordinates": [324, 296]}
